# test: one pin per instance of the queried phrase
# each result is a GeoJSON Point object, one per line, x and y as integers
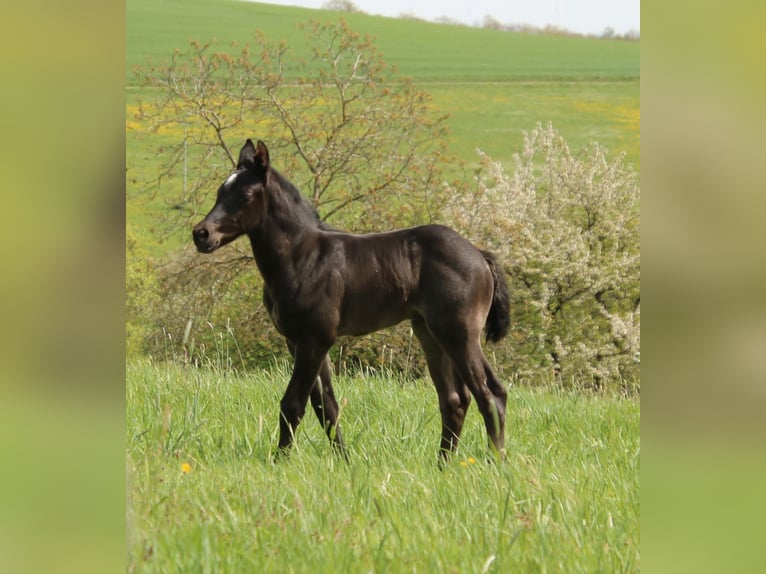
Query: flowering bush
{"type": "Point", "coordinates": [566, 226]}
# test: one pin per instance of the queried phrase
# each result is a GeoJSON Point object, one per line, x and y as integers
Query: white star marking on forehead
{"type": "Point", "coordinates": [230, 180]}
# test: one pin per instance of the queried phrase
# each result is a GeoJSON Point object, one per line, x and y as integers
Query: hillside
{"type": "Point", "coordinates": [426, 51]}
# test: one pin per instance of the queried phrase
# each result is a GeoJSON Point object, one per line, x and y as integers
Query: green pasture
{"type": "Point", "coordinates": [425, 51]}
{"type": "Point", "coordinates": [493, 116]}
{"type": "Point", "coordinates": [204, 495]}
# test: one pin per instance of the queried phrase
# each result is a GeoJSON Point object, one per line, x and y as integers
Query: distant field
{"type": "Point", "coordinates": [493, 116]}
{"type": "Point", "coordinates": [422, 50]}
{"type": "Point", "coordinates": [204, 495]}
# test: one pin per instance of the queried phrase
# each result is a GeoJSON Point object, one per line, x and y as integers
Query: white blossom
{"type": "Point", "coordinates": [566, 227]}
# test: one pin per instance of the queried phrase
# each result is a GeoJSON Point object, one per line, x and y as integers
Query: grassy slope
{"type": "Point", "coordinates": [426, 51]}
{"type": "Point", "coordinates": [565, 500]}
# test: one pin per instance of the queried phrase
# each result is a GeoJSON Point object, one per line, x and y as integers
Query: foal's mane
{"type": "Point", "coordinates": [303, 206]}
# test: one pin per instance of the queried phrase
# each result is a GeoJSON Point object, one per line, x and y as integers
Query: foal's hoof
{"type": "Point", "coordinates": [341, 452]}
{"type": "Point", "coordinates": [282, 453]}
{"type": "Point", "coordinates": [496, 456]}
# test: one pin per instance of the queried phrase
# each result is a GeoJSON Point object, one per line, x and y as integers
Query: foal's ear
{"type": "Point", "coordinates": [255, 157]}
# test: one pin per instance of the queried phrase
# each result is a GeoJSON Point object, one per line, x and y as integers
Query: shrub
{"type": "Point", "coordinates": [342, 6]}
{"type": "Point", "coordinates": [142, 296]}
{"type": "Point", "coordinates": [566, 227]}
{"type": "Point", "coordinates": [211, 311]}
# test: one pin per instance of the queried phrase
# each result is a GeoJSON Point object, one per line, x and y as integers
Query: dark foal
{"type": "Point", "coordinates": [320, 283]}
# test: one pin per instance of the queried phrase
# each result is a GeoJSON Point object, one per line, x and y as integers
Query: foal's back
{"type": "Point", "coordinates": [397, 275]}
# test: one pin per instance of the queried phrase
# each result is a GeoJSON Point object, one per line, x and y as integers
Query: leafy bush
{"type": "Point", "coordinates": [143, 294]}
{"type": "Point", "coordinates": [566, 227]}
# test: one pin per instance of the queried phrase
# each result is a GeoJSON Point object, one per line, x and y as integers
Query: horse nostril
{"type": "Point", "coordinates": [201, 234]}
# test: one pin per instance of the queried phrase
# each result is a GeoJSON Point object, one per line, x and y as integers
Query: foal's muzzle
{"type": "Point", "coordinates": [201, 237]}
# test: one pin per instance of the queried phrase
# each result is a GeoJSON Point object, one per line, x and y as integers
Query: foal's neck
{"type": "Point", "coordinates": [284, 229]}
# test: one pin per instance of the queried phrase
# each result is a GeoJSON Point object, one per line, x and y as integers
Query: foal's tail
{"type": "Point", "coordinates": [499, 318]}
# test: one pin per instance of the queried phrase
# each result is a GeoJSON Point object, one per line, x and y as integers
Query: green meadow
{"type": "Point", "coordinates": [205, 496]}
{"type": "Point", "coordinates": [425, 51]}
{"type": "Point", "coordinates": [203, 492]}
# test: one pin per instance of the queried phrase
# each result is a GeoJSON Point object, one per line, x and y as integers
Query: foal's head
{"type": "Point", "coordinates": [240, 205]}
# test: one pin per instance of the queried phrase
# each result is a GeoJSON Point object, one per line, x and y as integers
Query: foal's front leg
{"type": "Point", "coordinates": [308, 355]}
{"type": "Point", "coordinates": [325, 405]}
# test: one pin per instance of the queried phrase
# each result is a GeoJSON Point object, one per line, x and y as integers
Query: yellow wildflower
{"type": "Point", "coordinates": [185, 468]}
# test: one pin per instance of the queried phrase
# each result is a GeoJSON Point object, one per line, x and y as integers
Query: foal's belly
{"type": "Point", "coordinates": [373, 316]}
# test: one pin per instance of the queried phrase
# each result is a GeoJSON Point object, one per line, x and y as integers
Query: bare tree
{"type": "Point", "coordinates": [343, 125]}
{"type": "Point", "coordinates": [360, 141]}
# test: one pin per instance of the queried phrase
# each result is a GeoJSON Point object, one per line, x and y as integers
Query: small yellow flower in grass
{"type": "Point", "coordinates": [463, 463]}
{"type": "Point", "coordinates": [471, 460]}
{"type": "Point", "coordinates": [185, 468]}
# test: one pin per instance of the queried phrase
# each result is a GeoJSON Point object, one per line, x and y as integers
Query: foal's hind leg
{"type": "Point", "coordinates": [464, 349]}
{"type": "Point", "coordinates": [326, 407]}
{"type": "Point", "coordinates": [490, 396]}
{"type": "Point", "coordinates": [500, 396]}
{"type": "Point", "coordinates": [454, 398]}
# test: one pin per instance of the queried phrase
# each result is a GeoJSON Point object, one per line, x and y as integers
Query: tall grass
{"type": "Point", "coordinates": [204, 494]}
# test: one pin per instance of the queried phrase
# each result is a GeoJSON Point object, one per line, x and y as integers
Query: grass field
{"type": "Point", "coordinates": [204, 495]}
{"type": "Point", "coordinates": [422, 50]}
